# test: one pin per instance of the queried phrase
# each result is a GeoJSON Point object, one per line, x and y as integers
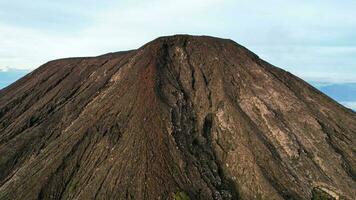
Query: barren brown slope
{"type": "Point", "coordinates": [182, 116]}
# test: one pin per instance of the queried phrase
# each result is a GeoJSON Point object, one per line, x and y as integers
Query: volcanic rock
{"type": "Point", "coordinates": [183, 117]}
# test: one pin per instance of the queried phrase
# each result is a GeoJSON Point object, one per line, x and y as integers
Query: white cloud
{"type": "Point", "coordinates": [312, 39]}
{"type": "Point", "coordinates": [121, 27]}
{"type": "Point", "coordinates": [4, 69]}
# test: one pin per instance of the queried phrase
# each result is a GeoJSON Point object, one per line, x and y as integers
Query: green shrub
{"type": "Point", "coordinates": [180, 195]}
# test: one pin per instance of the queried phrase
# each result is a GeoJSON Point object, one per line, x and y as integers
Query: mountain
{"type": "Point", "coordinates": [183, 117]}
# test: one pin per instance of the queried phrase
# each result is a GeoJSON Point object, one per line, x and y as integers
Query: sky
{"type": "Point", "coordinates": [314, 39]}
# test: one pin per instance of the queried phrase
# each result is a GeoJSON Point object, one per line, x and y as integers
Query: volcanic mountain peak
{"type": "Point", "coordinates": [181, 117]}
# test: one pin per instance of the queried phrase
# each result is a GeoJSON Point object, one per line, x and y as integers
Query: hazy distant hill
{"type": "Point", "coordinates": [341, 92]}
{"type": "Point", "coordinates": [10, 76]}
{"type": "Point", "coordinates": [344, 93]}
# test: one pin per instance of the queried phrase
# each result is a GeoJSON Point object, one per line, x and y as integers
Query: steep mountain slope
{"type": "Point", "coordinates": [183, 116]}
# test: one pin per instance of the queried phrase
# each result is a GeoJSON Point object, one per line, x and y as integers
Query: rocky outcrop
{"type": "Point", "coordinates": [182, 117]}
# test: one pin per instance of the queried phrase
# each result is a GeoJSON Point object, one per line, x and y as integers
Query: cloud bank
{"type": "Point", "coordinates": [312, 39]}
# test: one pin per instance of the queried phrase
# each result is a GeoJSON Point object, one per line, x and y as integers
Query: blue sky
{"type": "Point", "coordinates": [313, 39]}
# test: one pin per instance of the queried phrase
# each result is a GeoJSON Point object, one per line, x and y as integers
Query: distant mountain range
{"type": "Point", "coordinates": [9, 76]}
{"type": "Point", "coordinates": [345, 93]}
